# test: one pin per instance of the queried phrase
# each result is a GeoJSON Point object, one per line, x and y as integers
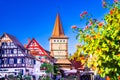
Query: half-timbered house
{"type": "Point", "coordinates": [14, 58]}
{"type": "Point", "coordinates": [40, 54]}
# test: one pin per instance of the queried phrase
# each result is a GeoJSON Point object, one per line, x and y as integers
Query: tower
{"type": "Point", "coordinates": [59, 44]}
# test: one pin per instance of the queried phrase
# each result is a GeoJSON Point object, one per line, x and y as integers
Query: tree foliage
{"type": "Point", "coordinates": [101, 41]}
{"type": "Point", "coordinates": [48, 67]}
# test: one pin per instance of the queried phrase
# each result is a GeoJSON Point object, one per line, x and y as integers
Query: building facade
{"type": "Point", "coordinates": [14, 58]}
{"type": "Point", "coordinates": [40, 54]}
{"type": "Point", "coordinates": [59, 45]}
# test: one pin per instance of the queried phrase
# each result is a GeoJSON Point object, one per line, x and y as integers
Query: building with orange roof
{"type": "Point", "coordinates": [59, 45]}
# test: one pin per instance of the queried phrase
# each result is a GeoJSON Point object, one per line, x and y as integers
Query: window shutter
{"type": "Point", "coordinates": [34, 62]}
{"type": "Point", "coordinates": [2, 61]}
{"type": "Point", "coordinates": [15, 60]}
{"type": "Point", "coordinates": [8, 60]}
{"type": "Point", "coordinates": [22, 60]}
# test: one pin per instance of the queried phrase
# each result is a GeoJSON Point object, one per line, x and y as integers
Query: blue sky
{"type": "Point", "coordinates": [35, 18]}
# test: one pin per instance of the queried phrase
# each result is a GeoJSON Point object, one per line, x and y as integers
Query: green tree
{"type": "Point", "coordinates": [48, 67]}
{"type": "Point", "coordinates": [101, 41]}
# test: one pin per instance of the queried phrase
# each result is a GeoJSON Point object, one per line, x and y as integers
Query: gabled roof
{"type": "Point", "coordinates": [58, 29]}
{"type": "Point", "coordinates": [14, 39]}
{"type": "Point", "coordinates": [40, 47]}
{"type": "Point", "coordinates": [76, 64]}
{"type": "Point", "coordinates": [17, 43]}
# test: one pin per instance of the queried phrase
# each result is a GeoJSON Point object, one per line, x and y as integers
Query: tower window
{"type": "Point", "coordinates": [57, 40]}
{"type": "Point", "coordinates": [63, 40]}
{"type": "Point", "coordinates": [54, 40]}
{"type": "Point", "coordinates": [60, 40]}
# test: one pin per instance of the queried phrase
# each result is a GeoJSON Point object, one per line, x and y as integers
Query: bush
{"type": "Point", "coordinates": [27, 77]}
{"type": "Point", "coordinates": [11, 77]}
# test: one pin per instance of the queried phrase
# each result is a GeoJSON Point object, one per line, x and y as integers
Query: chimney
{"type": "Point", "coordinates": [28, 40]}
{"type": "Point", "coordinates": [25, 45]}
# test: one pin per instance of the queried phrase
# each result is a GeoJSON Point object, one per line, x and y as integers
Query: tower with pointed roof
{"type": "Point", "coordinates": [59, 43]}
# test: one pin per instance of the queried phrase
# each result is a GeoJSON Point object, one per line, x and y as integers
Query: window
{"type": "Point", "coordinates": [11, 61]}
{"type": "Point", "coordinates": [54, 40]}
{"type": "Point", "coordinates": [12, 45]}
{"type": "Point", "coordinates": [19, 52]}
{"type": "Point", "coordinates": [2, 43]}
{"type": "Point", "coordinates": [57, 40]}
{"type": "Point", "coordinates": [26, 60]}
{"type": "Point", "coordinates": [19, 60]}
{"type": "Point", "coordinates": [10, 51]}
{"type": "Point", "coordinates": [29, 61]}
{"type": "Point", "coordinates": [5, 61]}
{"type": "Point", "coordinates": [3, 51]}
{"type": "Point", "coordinates": [26, 51]}
{"type": "Point", "coordinates": [33, 43]}
{"type": "Point", "coordinates": [15, 51]}
{"type": "Point", "coordinates": [8, 45]}
{"type": "Point", "coordinates": [63, 40]}
{"type": "Point", "coordinates": [7, 50]}
{"type": "Point", "coordinates": [60, 40]}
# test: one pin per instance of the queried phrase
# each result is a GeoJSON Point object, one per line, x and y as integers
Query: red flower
{"type": "Point", "coordinates": [81, 15]}
{"type": "Point", "coordinates": [86, 27]}
{"type": "Point", "coordinates": [111, 12]}
{"type": "Point", "coordinates": [73, 27]}
{"type": "Point", "coordinates": [85, 12]}
{"type": "Point", "coordinates": [104, 4]}
{"type": "Point", "coordinates": [115, 0]}
{"type": "Point", "coordinates": [100, 24]}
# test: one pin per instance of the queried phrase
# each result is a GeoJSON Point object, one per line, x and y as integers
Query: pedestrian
{"type": "Point", "coordinates": [58, 76]}
{"type": "Point", "coordinates": [6, 77]}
